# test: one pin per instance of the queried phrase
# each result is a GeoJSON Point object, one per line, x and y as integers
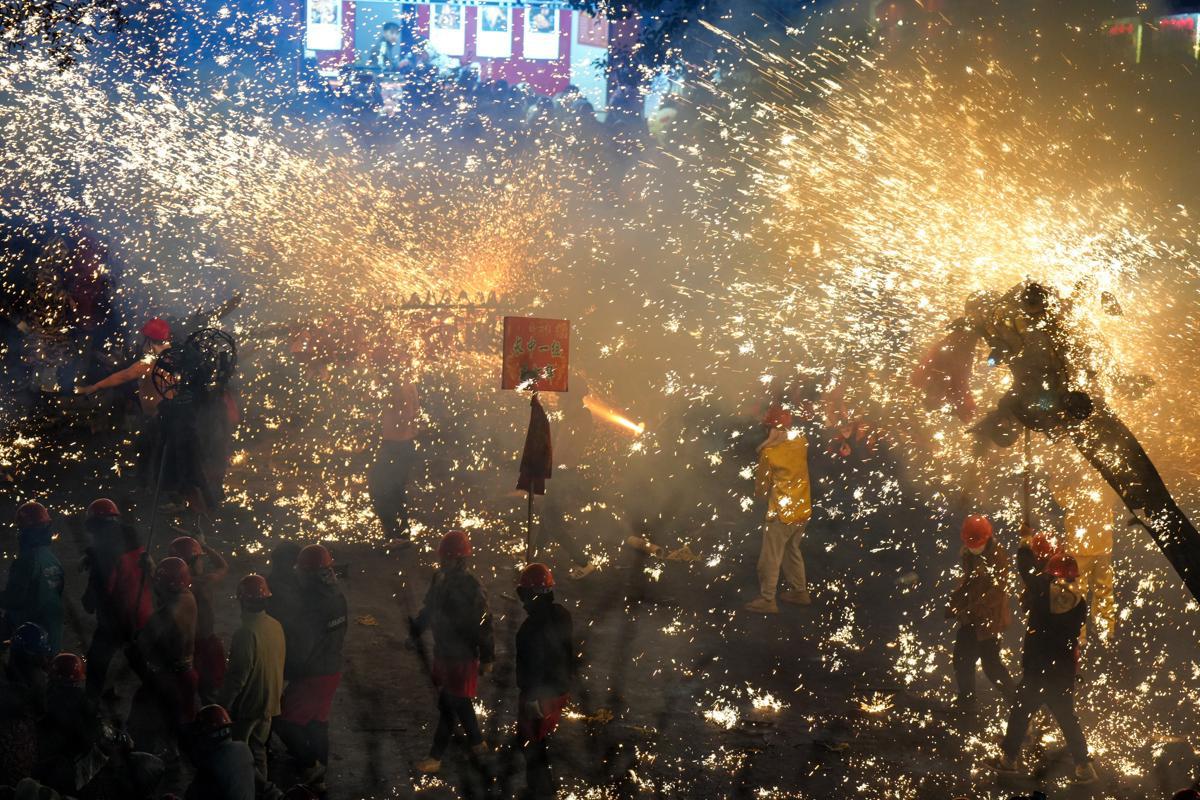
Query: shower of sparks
{"type": "Point", "coordinates": [835, 206]}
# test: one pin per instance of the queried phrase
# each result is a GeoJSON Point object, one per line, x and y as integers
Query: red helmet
{"type": "Point", "coordinates": [455, 544]}
{"type": "Point", "coordinates": [536, 579]}
{"type": "Point", "coordinates": [1063, 567]}
{"type": "Point", "coordinates": [157, 329]}
{"type": "Point", "coordinates": [313, 558]}
{"type": "Point", "coordinates": [67, 668]}
{"type": "Point", "coordinates": [213, 719]}
{"type": "Point", "coordinates": [253, 587]}
{"type": "Point", "coordinates": [185, 548]}
{"type": "Point", "coordinates": [1043, 545]}
{"type": "Point", "coordinates": [32, 515]}
{"type": "Point", "coordinates": [976, 531]}
{"type": "Point", "coordinates": [777, 417]}
{"type": "Point", "coordinates": [103, 508]}
{"type": "Point", "coordinates": [172, 575]}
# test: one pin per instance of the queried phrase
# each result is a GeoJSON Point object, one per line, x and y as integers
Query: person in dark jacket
{"type": "Point", "coordinates": [980, 604]}
{"type": "Point", "coordinates": [35, 580]}
{"type": "Point", "coordinates": [1032, 554]}
{"type": "Point", "coordinates": [166, 701]}
{"type": "Point", "coordinates": [1049, 662]}
{"type": "Point", "coordinates": [117, 590]}
{"type": "Point", "coordinates": [224, 765]}
{"type": "Point", "coordinates": [71, 733]}
{"type": "Point", "coordinates": [456, 610]}
{"type": "Point", "coordinates": [546, 664]}
{"type": "Point", "coordinates": [284, 602]}
{"type": "Point", "coordinates": [314, 638]}
{"type": "Point", "coordinates": [22, 701]}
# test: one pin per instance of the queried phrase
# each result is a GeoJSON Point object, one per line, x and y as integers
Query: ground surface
{"type": "Point", "coordinates": [683, 694]}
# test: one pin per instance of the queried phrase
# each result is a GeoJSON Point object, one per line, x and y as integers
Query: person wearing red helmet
{"type": "Point", "coordinates": [208, 568]}
{"type": "Point", "coordinates": [166, 700]}
{"type": "Point", "coordinates": [314, 637]}
{"type": "Point", "coordinates": [546, 666]}
{"type": "Point", "coordinates": [254, 681]}
{"type": "Point", "coordinates": [1049, 663]}
{"type": "Point", "coordinates": [456, 610]}
{"type": "Point", "coordinates": [156, 335]}
{"type": "Point", "coordinates": [1033, 551]}
{"type": "Point", "coordinates": [70, 730]}
{"type": "Point", "coordinates": [224, 765]}
{"type": "Point", "coordinates": [782, 479]}
{"type": "Point", "coordinates": [387, 480]}
{"type": "Point", "coordinates": [980, 603]}
{"type": "Point", "coordinates": [116, 591]}
{"type": "Point", "coordinates": [34, 592]}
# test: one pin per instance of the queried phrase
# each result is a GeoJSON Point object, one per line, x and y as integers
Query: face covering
{"type": "Point", "coordinates": [1062, 597]}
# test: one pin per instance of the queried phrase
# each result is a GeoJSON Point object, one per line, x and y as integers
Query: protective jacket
{"type": "Point", "coordinates": [318, 633]}
{"type": "Point", "coordinates": [546, 659]}
{"type": "Point", "coordinates": [782, 477]}
{"type": "Point", "coordinates": [1052, 634]}
{"type": "Point", "coordinates": [456, 609]}
{"type": "Point", "coordinates": [981, 598]}
{"type": "Point", "coordinates": [254, 681]}
{"type": "Point", "coordinates": [35, 586]}
{"type": "Point", "coordinates": [118, 591]}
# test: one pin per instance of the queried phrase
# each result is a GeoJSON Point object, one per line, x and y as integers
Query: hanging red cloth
{"type": "Point", "coordinates": [537, 459]}
{"type": "Point", "coordinates": [945, 373]}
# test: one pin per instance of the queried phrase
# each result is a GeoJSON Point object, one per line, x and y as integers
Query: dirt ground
{"type": "Point", "coordinates": [683, 694]}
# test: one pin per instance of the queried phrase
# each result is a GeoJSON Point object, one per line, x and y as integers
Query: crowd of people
{"type": "Point", "coordinates": [217, 707]}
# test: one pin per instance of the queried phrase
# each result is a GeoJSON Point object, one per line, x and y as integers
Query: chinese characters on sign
{"type": "Point", "coordinates": [536, 354]}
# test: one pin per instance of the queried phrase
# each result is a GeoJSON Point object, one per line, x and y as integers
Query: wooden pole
{"type": "Point", "coordinates": [1026, 502]}
{"type": "Point", "coordinates": [529, 528]}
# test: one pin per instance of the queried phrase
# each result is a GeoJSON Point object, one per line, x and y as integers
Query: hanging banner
{"type": "Point", "coordinates": [447, 29]}
{"type": "Point", "coordinates": [536, 354]}
{"type": "Point", "coordinates": [593, 31]}
{"type": "Point", "coordinates": [324, 28]}
{"type": "Point", "coordinates": [541, 32]}
{"type": "Point", "coordinates": [493, 32]}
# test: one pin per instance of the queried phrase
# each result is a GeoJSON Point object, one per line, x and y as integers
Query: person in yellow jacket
{"type": "Point", "coordinates": [253, 683]}
{"type": "Point", "coordinates": [782, 478]}
{"type": "Point", "coordinates": [1088, 515]}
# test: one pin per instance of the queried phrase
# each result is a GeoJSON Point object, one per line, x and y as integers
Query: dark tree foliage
{"type": "Point", "coordinates": [64, 27]}
{"type": "Point", "coordinates": [662, 23]}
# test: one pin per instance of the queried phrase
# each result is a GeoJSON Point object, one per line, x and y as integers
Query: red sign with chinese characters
{"type": "Point", "coordinates": [536, 354]}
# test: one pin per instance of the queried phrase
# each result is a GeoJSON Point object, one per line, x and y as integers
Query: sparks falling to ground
{"type": "Point", "coordinates": [827, 213]}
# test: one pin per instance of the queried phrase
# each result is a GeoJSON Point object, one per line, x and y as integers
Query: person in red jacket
{"type": "Point", "coordinates": [456, 610]}
{"type": "Point", "coordinates": [117, 591]}
{"type": "Point", "coordinates": [166, 701]}
{"type": "Point", "coordinates": [546, 664]}
{"type": "Point", "coordinates": [208, 569]}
